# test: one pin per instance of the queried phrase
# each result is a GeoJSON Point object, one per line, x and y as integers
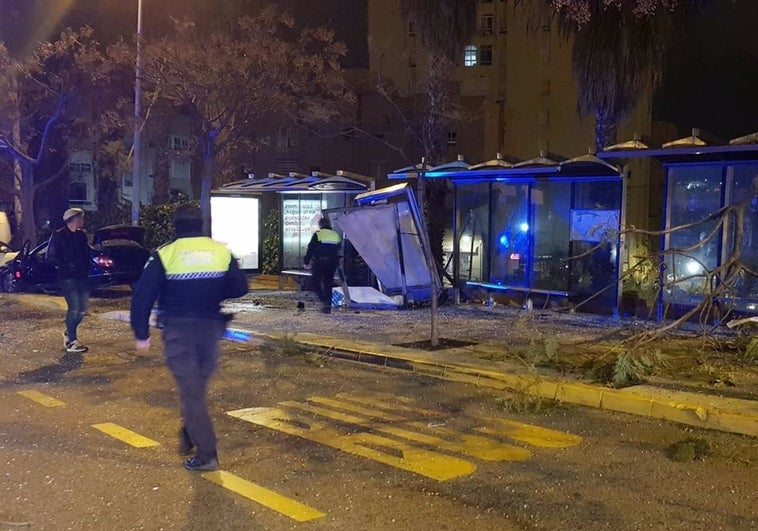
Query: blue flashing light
{"type": "Point", "coordinates": [524, 227]}
{"type": "Point", "coordinates": [504, 241]}
{"type": "Point", "coordinates": [240, 336]}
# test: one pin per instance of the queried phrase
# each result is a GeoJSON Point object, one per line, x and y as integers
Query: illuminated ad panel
{"type": "Point", "coordinates": [234, 222]}
{"type": "Point", "coordinates": [300, 218]}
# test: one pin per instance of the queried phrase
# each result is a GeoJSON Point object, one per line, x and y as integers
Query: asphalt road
{"type": "Point", "coordinates": [307, 442]}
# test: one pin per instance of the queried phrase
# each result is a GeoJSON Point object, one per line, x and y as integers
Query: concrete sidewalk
{"type": "Point", "coordinates": [695, 409]}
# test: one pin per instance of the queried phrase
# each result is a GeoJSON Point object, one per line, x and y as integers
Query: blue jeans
{"type": "Point", "coordinates": [76, 291]}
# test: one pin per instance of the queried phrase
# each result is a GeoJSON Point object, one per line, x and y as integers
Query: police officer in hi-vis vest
{"type": "Point", "coordinates": [189, 278]}
{"type": "Point", "coordinates": [323, 257]}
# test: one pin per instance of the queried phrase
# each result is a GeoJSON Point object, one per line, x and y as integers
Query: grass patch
{"type": "Point", "coordinates": [526, 404]}
{"type": "Point", "coordinates": [689, 450]}
{"type": "Point", "coordinates": [751, 350]}
{"type": "Point", "coordinates": [285, 347]}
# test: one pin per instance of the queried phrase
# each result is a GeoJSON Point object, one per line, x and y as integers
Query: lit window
{"type": "Point", "coordinates": [470, 56]}
{"type": "Point", "coordinates": [485, 55]}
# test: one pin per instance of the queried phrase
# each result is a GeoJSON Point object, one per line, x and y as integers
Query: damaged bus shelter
{"type": "Point", "coordinates": [386, 229]}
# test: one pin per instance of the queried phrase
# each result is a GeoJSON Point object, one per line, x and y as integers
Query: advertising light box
{"type": "Point", "coordinates": [300, 218]}
{"type": "Point", "coordinates": [234, 222]}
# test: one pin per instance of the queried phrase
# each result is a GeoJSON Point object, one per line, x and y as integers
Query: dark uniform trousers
{"type": "Point", "coordinates": [191, 347]}
{"type": "Point", "coordinates": [322, 274]}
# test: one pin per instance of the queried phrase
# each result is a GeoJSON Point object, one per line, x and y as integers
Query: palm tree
{"type": "Point", "coordinates": [618, 52]}
{"type": "Point", "coordinates": [617, 59]}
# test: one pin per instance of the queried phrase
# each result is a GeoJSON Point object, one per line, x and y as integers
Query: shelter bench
{"type": "Point", "coordinates": [302, 277]}
{"type": "Point", "coordinates": [525, 290]}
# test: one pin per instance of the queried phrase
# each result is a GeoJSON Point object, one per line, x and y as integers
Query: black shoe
{"type": "Point", "coordinates": [185, 443]}
{"type": "Point", "coordinates": [326, 309]}
{"type": "Point", "coordinates": [197, 464]}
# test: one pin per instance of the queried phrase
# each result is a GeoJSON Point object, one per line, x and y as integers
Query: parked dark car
{"type": "Point", "coordinates": [118, 257]}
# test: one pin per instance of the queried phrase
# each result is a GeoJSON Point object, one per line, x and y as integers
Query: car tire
{"type": "Point", "coordinates": [9, 283]}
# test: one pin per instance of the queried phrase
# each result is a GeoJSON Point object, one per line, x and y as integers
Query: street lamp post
{"type": "Point", "coordinates": [137, 147]}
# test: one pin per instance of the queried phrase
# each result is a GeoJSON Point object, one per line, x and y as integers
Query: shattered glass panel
{"type": "Point", "coordinates": [416, 268]}
{"type": "Point", "coordinates": [373, 232]}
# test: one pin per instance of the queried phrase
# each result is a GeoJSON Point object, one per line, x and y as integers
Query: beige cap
{"type": "Point", "coordinates": [71, 212]}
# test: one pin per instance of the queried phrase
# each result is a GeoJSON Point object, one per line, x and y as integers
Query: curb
{"type": "Point", "coordinates": [702, 411]}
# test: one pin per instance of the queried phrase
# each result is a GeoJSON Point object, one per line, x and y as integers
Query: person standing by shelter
{"type": "Point", "coordinates": [323, 257]}
{"type": "Point", "coordinates": [189, 277]}
{"type": "Point", "coordinates": [71, 255]}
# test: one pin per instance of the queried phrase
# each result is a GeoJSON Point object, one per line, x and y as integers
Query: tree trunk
{"type": "Point", "coordinates": [432, 194]}
{"type": "Point", "coordinates": [605, 129]}
{"type": "Point", "coordinates": [161, 179]}
{"type": "Point", "coordinates": [28, 224]}
{"type": "Point", "coordinates": [435, 146]}
{"type": "Point", "coordinates": [206, 182]}
{"type": "Point", "coordinates": [18, 175]}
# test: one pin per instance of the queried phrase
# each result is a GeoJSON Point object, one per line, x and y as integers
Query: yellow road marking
{"type": "Point", "coordinates": [371, 413]}
{"type": "Point", "coordinates": [268, 498]}
{"type": "Point", "coordinates": [527, 433]}
{"type": "Point", "coordinates": [400, 455]}
{"type": "Point", "coordinates": [384, 401]}
{"type": "Point", "coordinates": [41, 399]}
{"type": "Point", "coordinates": [473, 445]}
{"type": "Point", "coordinates": [125, 435]}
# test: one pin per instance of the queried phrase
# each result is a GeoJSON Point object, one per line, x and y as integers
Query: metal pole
{"type": "Point", "coordinates": [137, 148]}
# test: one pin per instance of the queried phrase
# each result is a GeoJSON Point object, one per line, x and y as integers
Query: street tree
{"type": "Point", "coordinates": [618, 51]}
{"type": "Point", "coordinates": [37, 92]}
{"type": "Point", "coordinates": [227, 82]}
{"type": "Point", "coordinates": [444, 27]}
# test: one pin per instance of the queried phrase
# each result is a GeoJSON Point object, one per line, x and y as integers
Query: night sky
{"type": "Point", "coordinates": [712, 77]}
{"type": "Point", "coordinates": [711, 80]}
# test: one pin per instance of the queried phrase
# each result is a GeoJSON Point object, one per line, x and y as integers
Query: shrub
{"type": "Point", "coordinates": [118, 213]}
{"type": "Point", "coordinates": [270, 263]}
{"type": "Point", "coordinates": [689, 450]}
{"type": "Point", "coordinates": [158, 221]}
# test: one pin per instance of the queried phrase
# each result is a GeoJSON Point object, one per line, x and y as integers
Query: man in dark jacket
{"type": "Point", "coordinates": [323, 257]}
{"type": "Point", "coordinates": [189, 278]}
{"type": "Point", "coordinates": [71, 255]}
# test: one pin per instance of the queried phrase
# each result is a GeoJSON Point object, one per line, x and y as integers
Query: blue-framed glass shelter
{"type": "Point", "coordinates": [544, 227]}
{"type": "Point", "coordinates": [699, 180]}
